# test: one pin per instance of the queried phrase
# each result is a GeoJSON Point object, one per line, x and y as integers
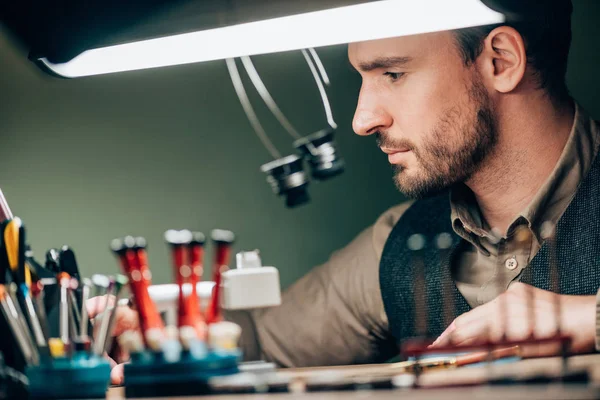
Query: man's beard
{"type": "Point", "coordinates": [444, 159]}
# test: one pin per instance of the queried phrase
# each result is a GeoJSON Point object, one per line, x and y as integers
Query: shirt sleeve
{"type": "Point", "coordinates": [334, 315]}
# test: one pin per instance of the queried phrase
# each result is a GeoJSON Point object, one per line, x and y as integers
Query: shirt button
{"type": "Point", "coordinates": [511, 263]}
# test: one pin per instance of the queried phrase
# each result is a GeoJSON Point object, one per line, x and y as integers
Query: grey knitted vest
{"type": "Point", "coordinates": [577, 247]}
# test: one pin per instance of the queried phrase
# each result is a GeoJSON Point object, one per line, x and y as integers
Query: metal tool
{"type": "Point", "coordinates": [104, 339]}
{"type": "Point", "coordinates": [64, 281]}
{"type": "Point", "coordinates": [85, 295]}
{"type": "Point", "coordinates": [12, 318]}
{"type": "Point", "coordinates": [101, 284]}
{"type": "Point", "coordinates": [22, 320]}
{"type": "Point", "coordinates": [37, 293]}
{"type": "Point", "coordinates": [5, 212]}
{"type": "Point", "coordinates": [14, 243]}
{"type": "Point", "coordinates": [73, 313]}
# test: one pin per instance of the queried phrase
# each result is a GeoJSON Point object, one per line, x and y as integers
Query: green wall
{"type": "Point", "coordinates": [84, 161]}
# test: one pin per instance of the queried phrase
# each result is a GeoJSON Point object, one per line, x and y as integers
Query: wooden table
{"type": "Point", "coordinates": [466, 382]}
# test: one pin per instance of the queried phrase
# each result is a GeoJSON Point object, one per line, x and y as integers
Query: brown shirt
{"type": "Point", "coordinates": [334, 315]}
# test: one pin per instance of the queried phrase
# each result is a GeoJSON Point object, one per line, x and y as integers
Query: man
{"type": "Point", "coordinates": [480, 129]}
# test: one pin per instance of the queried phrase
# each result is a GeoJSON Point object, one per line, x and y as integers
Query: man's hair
{"type": "Point", "coordinates": [546, 31]}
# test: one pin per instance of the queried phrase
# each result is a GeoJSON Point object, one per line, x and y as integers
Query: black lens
{"type": "Point", "coordinates": [321, 153]}
{"type": "Point", "coordinates": [287, 178]}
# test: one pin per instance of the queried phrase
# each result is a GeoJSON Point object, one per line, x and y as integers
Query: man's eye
{"type": "Point", "coordinates": [394, 76]}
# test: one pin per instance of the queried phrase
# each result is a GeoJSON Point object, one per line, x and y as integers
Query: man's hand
{"type": "Point", "coordinates": [126, 319]}
{"type": "Point", "coordinates": [521, 302]}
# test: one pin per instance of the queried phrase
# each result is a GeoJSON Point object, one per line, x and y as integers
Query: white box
{"type": "Point", "coordinates": [248, 288]}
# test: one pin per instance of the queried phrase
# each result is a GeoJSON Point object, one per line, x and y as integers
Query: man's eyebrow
{"type": "Point", "coordinates": [383, 62]}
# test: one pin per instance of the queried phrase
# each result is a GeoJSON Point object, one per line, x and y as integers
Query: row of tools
{"type": "Point", "coordinates": [48, 310]}
{"type": "Point", "coordinates": [24, 309]}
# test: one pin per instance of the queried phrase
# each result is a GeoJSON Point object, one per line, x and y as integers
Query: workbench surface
{"type": "Point", "coordinates": [469, 381]}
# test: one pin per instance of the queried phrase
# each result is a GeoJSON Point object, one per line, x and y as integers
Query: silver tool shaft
{"type": "Point", "coordinates": [11, 317]}
{"type": "Point", "coordinates": [5, 212]}
{"type": "Point", "coordinates": [22, 322]}
{"type": "Point", "coordinates": [85, 295]}
{"type": "Point", "coordinates": [64, 310]}
{"type": "Point", "coordinates": [40, 308]}
{"type": "Point", "coordinates": [38, 333]}
{"type": "Point", "coordinates": [120, 282]}
{"type": "Point", "coordinates": [109, 307]}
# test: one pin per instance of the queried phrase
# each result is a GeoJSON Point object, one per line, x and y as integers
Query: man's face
{"type": "Point", "coordinates": [430, 112]}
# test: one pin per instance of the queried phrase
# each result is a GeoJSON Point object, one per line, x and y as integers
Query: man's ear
{"type": "Point", "coordinates": [503, 60]}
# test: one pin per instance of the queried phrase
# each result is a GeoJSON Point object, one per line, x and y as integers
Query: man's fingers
{"type": "Point", "coordinates": [126, 319]}
{"type": "Point", "coordinates": [474, 332]}
{"type": "Point", "coordinates": [467, 318]}
{"type": "Point", "coordinates": [112, 362]}
{"type": "Point", "coordinates": [117, 375]}
{"type": "Point", "coordinates": [98, 304]}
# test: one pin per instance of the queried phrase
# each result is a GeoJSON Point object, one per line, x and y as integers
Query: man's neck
{"type": "Point", "coordinates": [531, 138]}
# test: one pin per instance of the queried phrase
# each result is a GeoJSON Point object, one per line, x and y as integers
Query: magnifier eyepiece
{"type": "Point", "coordinates": [321, 153]}
{"type": "Point", "coordinates": [287, 178]}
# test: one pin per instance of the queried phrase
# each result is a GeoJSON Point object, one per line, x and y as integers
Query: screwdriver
{"type": "Point", "coordinates": [196, 253]}
{"type": "Point", "coordinates": [104, 338]}
{"type": "Point", "coordinates": [189, 319]}
{"type": "Point", "coordinates": [222, 240]}
{"type": "Point", "coordinates": [67, 263]}
{"type": "Point", "coordinates": [85, 295]}
{"type": "Point", "coordinates": [14, 242]}
{"type": "Point", "coordinates": [12, 318]}
{"type": "Point", "coordinates": [64, 280]}
{"type": "Point", "coordinates": [127, 251]}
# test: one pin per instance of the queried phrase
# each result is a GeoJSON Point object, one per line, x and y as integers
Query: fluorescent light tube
{"type": "Point", "coordinates": [368, 21]}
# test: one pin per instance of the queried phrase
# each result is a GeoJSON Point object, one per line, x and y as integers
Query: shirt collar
{"type": "Point", "coordinates": [551, 200]}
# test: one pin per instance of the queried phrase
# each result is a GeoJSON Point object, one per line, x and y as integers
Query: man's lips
{"type": "Point", "coordinates": [394, 151]}
{"type": "Point", "coordinates": [396, 156]}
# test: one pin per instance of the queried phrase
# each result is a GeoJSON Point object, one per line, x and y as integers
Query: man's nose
{"type": "Point", "coordinates": [369, 118]}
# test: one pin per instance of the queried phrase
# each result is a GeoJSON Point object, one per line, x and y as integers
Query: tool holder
{"type": "Point", "coordinates": [83, 376]}
{"type": "Point", "coordinates": [150, 374]}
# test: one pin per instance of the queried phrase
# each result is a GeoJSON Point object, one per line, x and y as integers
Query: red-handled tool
{"type": "Point", "coordinates": [222, 240]}
{"type": "Point", "coordinates": [188, 313]}
{"type": "Point", "coordinates": [196, 254]}
{"type": "Point", "coordinates": [151, 323]}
